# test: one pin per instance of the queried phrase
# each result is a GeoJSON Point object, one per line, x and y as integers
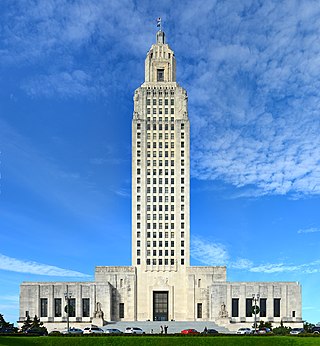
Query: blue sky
{"type": "Point", "coordinates": [68, 72]}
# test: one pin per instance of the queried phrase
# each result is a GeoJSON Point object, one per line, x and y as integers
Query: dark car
{"type": "Point", "coordinates": [36, 331]}
{"type": "Point", "coordinates": [189, 331]}
{"type": "Point", "coordinates": [315, 330]}
{"type": "Point", "coordinates": [212, 331]}
{"type": "Point", "coordinates": [7, 330]}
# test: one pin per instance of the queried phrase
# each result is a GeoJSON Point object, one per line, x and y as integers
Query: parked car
{"type": "Point", "coordinates": [72, 331]}
{"type": "Point", "coordinates": [244, 331]}
{"type": "Point", "coordinates": [93, 330]}
{"type": "Point", "coordinates": [134, 330]}
{"type": "Point", "coordinates": [296, 331]}
{"type": "Point", "coordinates": [54, 332]}
{"type": "Point", "coordinates": [212, 331]}
{"type": "Point", "coordinates": [315, 330]}
{"type": "Point", "coordinates": [37, 331]}
{"type": "Point", "coordinates": [112, 331]}
{"type": "Point", "coordinates": [190, 331]}
{"type": "Point", "coordinates": [7, 330]}
{"type": "Point", "coordinates": [264, 330]}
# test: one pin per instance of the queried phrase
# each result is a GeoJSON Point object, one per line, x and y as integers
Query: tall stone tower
{"type": "Point", "coordinates": [160, 166]}
{"type": "Point", "coordinates": [160, 285]}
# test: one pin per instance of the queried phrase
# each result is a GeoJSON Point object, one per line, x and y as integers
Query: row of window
{"type": "Point", "coordinates": [159, 136]}
{"type": "Point", "coordinates": [160, 199]}
{"type": "Point", "coordinates": [160, 261]}
{"type": "Point", "coordinates": [158, 91]}
{"type": "Point", "coordinates": [160, 127]}
{"type": "Point", "coordinates": [160, 207]}
{"type": "Point", "coordinates": [159, 253]}
{"type": "Point", "coordinates": [182, 126]}
{"type": "Point", "coordinates": [160, 234]}
{"type": "Point", "coordinates": [156, 244]}
{"type": "Point", "coordinates": [154, 180]}
{"type": "Point", "coordinates": [160, 217]}
{"type": "Point", "coordinates": [59, 308]}
{"type": "Point", "coordinates": [160, 119]}
{"type": "Point", "coordinates": [159, 226]}
{"type": "Point", "coordinates": [159, 111]}
{"type": "Point", "coordinates": [160, 102]}
{"type": "Point", "coordinates": [262, 306]}
{"type": "Point", "coordinates": [159, 154]}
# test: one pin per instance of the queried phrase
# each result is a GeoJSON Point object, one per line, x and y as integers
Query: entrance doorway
{"type": "Point", "coordinates": [160, 306]}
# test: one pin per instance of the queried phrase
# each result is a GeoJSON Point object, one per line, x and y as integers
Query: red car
{"type": "Point", "coordinates": [190, 331]}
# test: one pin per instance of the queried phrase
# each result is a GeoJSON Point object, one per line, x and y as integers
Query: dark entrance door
{"type": "Point", "coordinates": [160, 306]}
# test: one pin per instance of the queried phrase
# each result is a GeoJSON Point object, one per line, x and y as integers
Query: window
{"type": "Point", "coordinates": [199, 282]}
{"type": "Point", "coordinates": [72, 307]}
{"type": "Point", "coordinates": [199, 310]}
{"type": "Point", "coordinates": [85, 307]}
{"type": "Point", "coordinates": [44, 307]}
{"type": "Point", "coordinates": [57, 307]}
{"type": "Point", "coordinates": [235, 307]}
{"type": "Point", "coordinates": [293, 314]}
{"type": "Point", "coordinates": [160, 75]}
{"type": "Point", "coordinates": [249, 307]}
{"type": "Point", "coordinates": [276, 307]}
{"type": "Point", "coordinates": [182, 261]}
{"type": "Point", "coordinates": [263, 307]}
{"type": "Point", "coordinates": [121, 310]}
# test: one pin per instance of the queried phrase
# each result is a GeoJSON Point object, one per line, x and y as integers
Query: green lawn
{"type": "Point", "coordinates": [159, 341]}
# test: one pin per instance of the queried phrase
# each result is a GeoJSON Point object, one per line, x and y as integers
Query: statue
{"type": "Point", "coordinates": [98, 313]}
{"type": "Point", "coordinates": [223, 313]}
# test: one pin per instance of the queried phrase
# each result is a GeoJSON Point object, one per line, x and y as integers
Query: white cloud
{"type": "Point", "coordinates": [21, 266]}
{"type": "Point", "coordinates": [309, 230]}
{"type": "Point", "coordinates": [210, 253]}
{"type": "Point", "coordinates": [251, 71]}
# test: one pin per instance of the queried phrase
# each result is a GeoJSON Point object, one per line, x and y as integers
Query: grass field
{"type": "Point", "coordinates": [160, 341]}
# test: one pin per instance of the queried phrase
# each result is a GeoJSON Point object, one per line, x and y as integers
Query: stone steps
{"type": "Point", "coordinates": [173, 326]}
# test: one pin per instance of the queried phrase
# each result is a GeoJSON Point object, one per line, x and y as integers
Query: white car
{"type": "Point", "coordinates": [112, 331]}
{"type": "Point", "coordinates": [244, 331]}
{"type": "Point", "coordinates": [93, 330]}
{"type": "Point", "coordinates": [134, 330]}
{"type": "Point", "coordinates": [72, 331]}
{"type": "Point", "coordinates": [296, 331]}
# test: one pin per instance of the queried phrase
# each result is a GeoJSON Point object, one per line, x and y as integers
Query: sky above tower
{"type": "Point", "coordinates": [68, 72]}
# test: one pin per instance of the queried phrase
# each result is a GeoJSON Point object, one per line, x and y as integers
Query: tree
{"type": "Point", "coordinates": [282, 330]}
{"type": "Point", "coordinates": [3, 323]}
{"type": "Point", "coordinates": [263, 324]}
{"type": "Point", "coordinates": [6, 327]}
{"type": "Point", "coordinates": [26, 324]}
{"type": "Point", "coordinates": [308, 327]}
{"type": "Point", "coordinates": [34, 326]}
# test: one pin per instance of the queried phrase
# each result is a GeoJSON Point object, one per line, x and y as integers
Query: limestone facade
{"type": "Point", "coordinates": [160, 285]}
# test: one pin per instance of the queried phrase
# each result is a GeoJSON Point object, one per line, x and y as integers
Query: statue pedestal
{"type": "Point", "coordinates": [98, 321]}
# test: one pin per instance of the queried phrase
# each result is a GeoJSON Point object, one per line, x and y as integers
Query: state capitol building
{"type": "Point", "coordinates": [160, 285]}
